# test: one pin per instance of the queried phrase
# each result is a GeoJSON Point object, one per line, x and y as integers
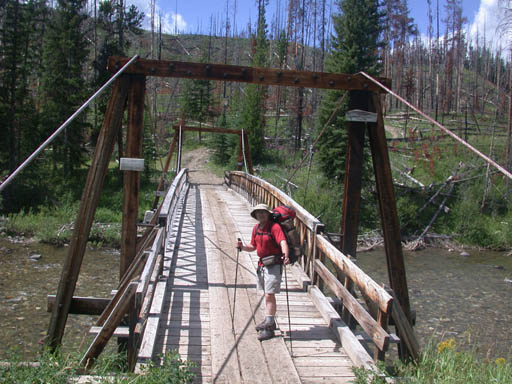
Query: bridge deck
{"type": "Point", "coordinates": [197, 305]}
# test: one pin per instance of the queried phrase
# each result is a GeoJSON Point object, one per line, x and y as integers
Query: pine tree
{"type": "Point", "coordinates": [253, 113]}
{"type": "Point", "coordinates": [354, 48]}
{"type": "Point", "coordinates": [63, 86]}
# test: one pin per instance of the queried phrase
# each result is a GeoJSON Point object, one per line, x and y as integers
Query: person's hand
{"type": "Point", "coordinates": [239, 245]}
{"type": "Point", "coordinates": [286, 259]}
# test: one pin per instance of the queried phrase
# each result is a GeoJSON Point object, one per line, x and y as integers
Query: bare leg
{"type": "Point", "coordinates": [270, 304]}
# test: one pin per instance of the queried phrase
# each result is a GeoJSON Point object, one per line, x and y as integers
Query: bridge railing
{"type": "Point", "coordinates": [140, 290]}
{"type": "Point", "coordinates": [318, 251]}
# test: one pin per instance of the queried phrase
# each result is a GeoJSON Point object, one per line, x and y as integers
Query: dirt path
{"type": "Point", "coordinates": [196, 161]}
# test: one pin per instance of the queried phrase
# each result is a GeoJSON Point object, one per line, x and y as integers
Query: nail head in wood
{"type": "Point", "coordinates": [315, 76]}
{"type": "Point", "coordinates": [262, 78]}
{"type": "Point", "coordinates": [296, 80]}
{"type": "Point", "coordinates": [208, 67]}
{"type": "Point", "coordinates": [171, 67]}
{"type": "Point", "coordinates": [331, 83]}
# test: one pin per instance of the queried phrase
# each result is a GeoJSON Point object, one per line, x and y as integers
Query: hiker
{"type": "Point", "coordinates": [270, 244]}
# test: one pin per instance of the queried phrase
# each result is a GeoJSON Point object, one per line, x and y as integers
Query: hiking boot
{"type": "Point", "coordinates": [266, 334]}
{"type": "Point", "coordinates": [264, 325]}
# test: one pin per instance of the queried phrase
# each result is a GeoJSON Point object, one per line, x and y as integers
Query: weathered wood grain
{"type": "Point", "coordinates": [264, 76]}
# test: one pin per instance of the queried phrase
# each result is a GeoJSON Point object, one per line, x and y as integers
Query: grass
{"type": "Point", "coordinates": [55, 368]}
{"type": "Point", "coordinates": [444, 364]}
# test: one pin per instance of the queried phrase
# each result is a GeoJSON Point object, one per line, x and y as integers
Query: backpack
{"type": "Point", "coordinates": [284, 215]}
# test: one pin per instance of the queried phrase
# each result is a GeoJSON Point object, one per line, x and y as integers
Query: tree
{"type": "Point", "coordinates": [253, 112]}
{"type": "Point", "coordinates": [62, 83]}
{"type": "Point", "coordinates": [355, 45]}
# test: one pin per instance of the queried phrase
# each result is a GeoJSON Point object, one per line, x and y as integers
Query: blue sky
{"type": "Point", "coordinates": [191, 16]}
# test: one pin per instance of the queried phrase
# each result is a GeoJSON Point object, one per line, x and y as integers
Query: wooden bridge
{"type": "Point", "coordinates": [182, 284]}
{"type": "Point", "coordinates": [177, 281]}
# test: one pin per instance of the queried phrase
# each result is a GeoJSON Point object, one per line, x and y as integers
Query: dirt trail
{"type": "Point", "coordinates": [196, 161]}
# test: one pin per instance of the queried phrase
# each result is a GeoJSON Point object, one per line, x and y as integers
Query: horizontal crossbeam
{"type": "Point", "coordinates": [208, 129]}
{"type": "Point", "coordinates": [263, 76]}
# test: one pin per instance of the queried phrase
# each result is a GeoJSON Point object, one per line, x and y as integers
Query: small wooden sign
{"type": "Point", "coordinates": [131, 164]}
{"type": "Point", "coordinates": [358, 115]}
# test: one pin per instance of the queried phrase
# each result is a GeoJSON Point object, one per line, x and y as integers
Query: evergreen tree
{"type": "Point", "coordinates": [21, 24]}
{"type": "Point", "coordinates": [221, 147]}
{"type": "Point", "coordinates": [354, 48]}
{"type": "Point", "coordinates": [63, 86]}
{"type": "Point", "coordinates": [253, 113]}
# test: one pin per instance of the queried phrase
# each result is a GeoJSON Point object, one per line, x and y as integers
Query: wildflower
{"type": "Point", "coordinates": [446, 344]}
{"type": "Point", "coordinates": [500, 361]}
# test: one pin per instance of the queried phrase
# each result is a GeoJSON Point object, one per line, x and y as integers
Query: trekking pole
{"type": "Point", "coordinates": [234, 295]}
{"type": "Point", "coordinates": [288, 305]}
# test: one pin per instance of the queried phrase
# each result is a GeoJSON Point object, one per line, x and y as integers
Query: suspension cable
{"type": "Point", "coordinates": [446, 130]}
{"type": "Point", "coordinates": [243, 151]}
{"type": "Point", "coordinates": [64, 125]}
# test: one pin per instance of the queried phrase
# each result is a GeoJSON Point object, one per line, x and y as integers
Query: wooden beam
{"type": "Point", "coordinates": [359, 100]}
{"type": "Point", "coordinates": [131, 179]}
{"type": "Point", "coordinates": [110, 325]}
{"type": "Point", "coordinates": [81, 305]}
{"type": "Point", "coordinates": [379, 336]}
{"type": "Point", "coordinates": [85, 216]}
{"type": "Point", "coordinates": [387, 209]}
{"type": "Point", "coordinates": [208, 129]}
{"type": "Point", "coordinates": [406, 331]}
{"type": "Point", "coordinates": [263, 76]}
{"type": "Point", "coordinates": [389, 215]}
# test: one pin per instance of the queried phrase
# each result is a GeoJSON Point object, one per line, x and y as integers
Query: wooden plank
{"type": "Point", "coordinates": [81, 305]}
{"type": "Point", "coordinates": [85, 216]}
{"type": "Point", "coordinates": [302, 278]}
{"type": "Point", "coordinates": [263, 76]}
{"type": "Point", "coordinates": [340, 371]}
{"type": "Point", "coordinates": [225, 368]}
{"type": "Point", "coordinates": [109, 327]}
{"type": "Point", "coordinates": [361, 279]}
{"type": "Point", "coordinates": [379, 336]}
{"type": "Point", "coordinates": [351, 345]}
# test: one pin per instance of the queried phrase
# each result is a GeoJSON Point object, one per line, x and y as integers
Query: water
{"type": "Point", "coordinates": [453, 296]}
{"type": "Point", "coordinates": [24, 284]}
{"type": "Point", "coordinates": [466, 298]}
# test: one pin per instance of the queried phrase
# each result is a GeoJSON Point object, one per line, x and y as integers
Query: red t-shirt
{"type": "Point", "coordinates": [262, 240]}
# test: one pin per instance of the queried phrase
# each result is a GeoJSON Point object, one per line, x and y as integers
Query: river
{"type": "Point", "coordinates": [453, 296]}
{"type": "Point", "coordinates": [467, 298]}
{"type": "Point", "coordinates": [24, 284]}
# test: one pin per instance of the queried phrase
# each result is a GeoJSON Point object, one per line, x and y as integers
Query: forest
{"type": "Point", "coordinates": [53, 56]}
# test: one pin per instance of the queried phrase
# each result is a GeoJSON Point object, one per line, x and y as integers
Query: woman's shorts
{"type": "Point", "coordinates": [270, 278]}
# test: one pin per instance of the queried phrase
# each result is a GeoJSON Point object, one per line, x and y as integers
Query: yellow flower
{"type": "Point", "coordinates": [446, 344]}
{"type": "Point", "coordinates": [500, 361]}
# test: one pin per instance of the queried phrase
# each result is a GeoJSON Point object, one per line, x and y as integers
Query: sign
{"type": "Point", "coordinates": [131, 164]}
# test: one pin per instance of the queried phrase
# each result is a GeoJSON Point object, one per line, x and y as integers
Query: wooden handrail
{"type": "Point", "coordinates": [304, 216]}
{"type": "Point", "coordinates": [364, 282]}
{"type": "Point", "coordinates": [172, 194]}
{"type": "Point", "coordinates": [317, 248]}
{"type": "Point", "coordinates": [148, 267]}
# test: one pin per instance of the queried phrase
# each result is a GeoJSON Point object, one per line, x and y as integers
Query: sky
{"type": "Point", "coordinates": [191, 16]}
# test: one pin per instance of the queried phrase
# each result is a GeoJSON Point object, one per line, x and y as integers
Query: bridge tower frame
{"type": "Point", "coordinates": [128, 92]}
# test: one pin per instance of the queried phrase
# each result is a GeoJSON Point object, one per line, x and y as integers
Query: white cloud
{"type": "Point", "coordinates": [489, 22]}
{"type": "Point", "coordinates": [170, 20]}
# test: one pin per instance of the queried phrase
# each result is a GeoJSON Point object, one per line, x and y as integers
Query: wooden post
{"type": "Point", "coordinates": [88, 204]}
{"type": "Point", "coordinates": [240, 161]}
{"type": "Point", "coordinates": [131, 184]}
{"type": "Point", "coordinates": [352, 191]}
{"type": "Point", "coordinates": [388, 212]}
{"type": "Point", "coordinates": [180, 149]}
{"type": "Point", "coordinates": [165, 170]}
